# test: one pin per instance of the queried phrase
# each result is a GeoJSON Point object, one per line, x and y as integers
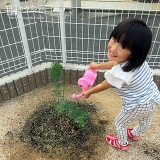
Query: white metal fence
{"type": "Point", "coordinates": [35, 32]}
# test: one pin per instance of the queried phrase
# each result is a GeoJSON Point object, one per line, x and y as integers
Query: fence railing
{"type": "Point", "coordinates": [33, 35]}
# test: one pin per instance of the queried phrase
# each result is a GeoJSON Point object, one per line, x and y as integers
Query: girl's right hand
{"type": "Point", "coordinates": [93, 66]}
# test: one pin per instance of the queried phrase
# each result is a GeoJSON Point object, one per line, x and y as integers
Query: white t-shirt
{"type": "Point", "coordinates": [134, 87]}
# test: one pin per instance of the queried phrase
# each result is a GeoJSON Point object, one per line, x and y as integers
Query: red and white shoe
{"type": "Point", "coordinates": [130, 135]}
{"type": "Point", "coordinates": [113, 141]}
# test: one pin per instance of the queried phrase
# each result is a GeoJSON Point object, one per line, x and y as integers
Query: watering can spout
{"type": "Point", "coordinates": [77, 96]}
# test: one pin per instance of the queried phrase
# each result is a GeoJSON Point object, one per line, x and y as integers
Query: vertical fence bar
{"type": "Point", "coordinates": [23, 34]}
{"type": "Point", "coordinates": [63, 33]}
{"type": "Point", "coordinates": [76, 6]}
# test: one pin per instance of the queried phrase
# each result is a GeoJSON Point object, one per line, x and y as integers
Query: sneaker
{"type": "Point", "coordinates": [113, 141]}
{"type": "Point", "coordinates": [130, 135]}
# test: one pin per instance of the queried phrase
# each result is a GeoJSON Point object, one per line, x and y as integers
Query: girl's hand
{"type": "Point", "coordinates": [101, 66]}
{"type": "Point", "coordinates": [86, 95]}
{"type": "Point", "coordinates": [98, 88]}
{"type": "Point", "coordinates": [93, 66]}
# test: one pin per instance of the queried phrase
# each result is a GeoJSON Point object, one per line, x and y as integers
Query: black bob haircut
{"type": "Point", "coordinates": [134, 35]}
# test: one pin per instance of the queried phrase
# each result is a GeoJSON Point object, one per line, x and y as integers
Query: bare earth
{"type": "Point", "coordinates": [14, 113]}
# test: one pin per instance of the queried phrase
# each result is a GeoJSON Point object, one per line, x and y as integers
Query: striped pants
{"type": "Point", "coordinates": [142, 113]}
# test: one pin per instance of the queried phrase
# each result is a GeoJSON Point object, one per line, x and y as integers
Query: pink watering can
{"type": "Point", "coordinates": [87, 80]}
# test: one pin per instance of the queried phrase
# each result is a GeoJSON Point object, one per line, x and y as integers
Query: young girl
{"type": "Point", "coordinates": [128, 46]}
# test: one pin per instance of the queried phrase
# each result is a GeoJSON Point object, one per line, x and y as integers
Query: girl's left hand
{"type": "Point", "coordinates": [86, 95]}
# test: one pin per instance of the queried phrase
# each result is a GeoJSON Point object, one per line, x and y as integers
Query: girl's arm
{"type": "Point", "coordinates": [101, 66]}
{"type": "Point", "coordinates": [98, 88]}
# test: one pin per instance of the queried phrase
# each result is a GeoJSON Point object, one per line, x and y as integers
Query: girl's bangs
{"type": "Point", "coordinates": [123, 40]}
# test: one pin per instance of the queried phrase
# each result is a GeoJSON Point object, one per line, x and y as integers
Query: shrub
{"type": "Point", "coordinates": [65, 107]}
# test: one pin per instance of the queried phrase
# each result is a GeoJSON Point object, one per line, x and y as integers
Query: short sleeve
{"type": "Point", "coordinates": [117, 77]}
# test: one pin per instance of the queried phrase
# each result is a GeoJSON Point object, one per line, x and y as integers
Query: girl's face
{"type": "Point", "coordinates": [116, 52]}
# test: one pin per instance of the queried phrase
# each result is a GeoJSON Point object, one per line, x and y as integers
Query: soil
{"type": "Point", "coordinates": [90, 145]}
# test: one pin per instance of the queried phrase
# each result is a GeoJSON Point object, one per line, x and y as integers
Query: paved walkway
{"type": "Point", "coordinates": [29, 3]}
{"type": "Point", "coordinates": [105, 5]}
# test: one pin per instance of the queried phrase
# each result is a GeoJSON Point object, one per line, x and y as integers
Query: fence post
{"type": "Point", "coordinates": [41, 2]}
{"type": "Point", "coordinates": [76, 6]}
{"type": "Point", "coordinates": [23, 34]}
{"type": "Point", "coordinates": [63, 33]}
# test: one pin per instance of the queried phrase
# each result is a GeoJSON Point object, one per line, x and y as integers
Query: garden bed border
{"type": "Point", "coordinates": [39, 78]}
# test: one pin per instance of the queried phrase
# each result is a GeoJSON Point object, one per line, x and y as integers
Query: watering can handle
{"type": "Point", "coordinates": [94, 70]}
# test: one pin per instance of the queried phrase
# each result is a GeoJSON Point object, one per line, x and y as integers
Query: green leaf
{"type": "Point", "coordinates": [55, 74]}
{"type": "Point", "coordinates": [56, 71]}
{"type": "Point", "coordinates": [60, 108]}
